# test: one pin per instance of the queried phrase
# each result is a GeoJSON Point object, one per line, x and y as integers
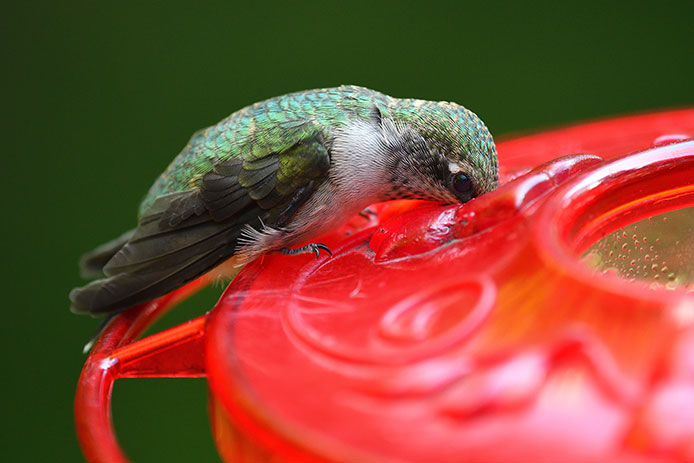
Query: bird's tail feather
{"type": "Point", "coordinates": [102, 326]}
{"type": "Point", "coordinates": [92, 264]}
{"type": "Point", "coordinates": [154, 262]}
{"type": "Point", "coordinates": [123, 290]}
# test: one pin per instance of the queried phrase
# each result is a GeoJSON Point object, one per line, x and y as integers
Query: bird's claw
{"type": "Point", "coordinates": [318, 246]}
{"type": "Point", "coordinates": [312, 247]}
{"type": "Point", "coordinates": [367, 213]}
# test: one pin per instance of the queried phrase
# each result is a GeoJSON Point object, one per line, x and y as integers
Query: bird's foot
{"type": "Point", "coordinates": [367, 213]}
{"type": "Point", "coordinates": [313, 247]}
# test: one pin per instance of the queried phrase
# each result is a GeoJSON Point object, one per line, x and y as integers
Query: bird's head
{"type": "Point", "coordinates": [438, 151]}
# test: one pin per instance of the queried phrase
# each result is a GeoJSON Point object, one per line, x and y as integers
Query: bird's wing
{"type": "Point", "coordinates": [185, 234]}
{"type": "Point", "coordinates": [92, 264]}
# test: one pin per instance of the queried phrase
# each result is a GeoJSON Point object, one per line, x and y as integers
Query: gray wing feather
{"type": "Point", "coordinates": [179, 238]}
{"type": "Point", "coordinates": [185, 234]}
{"type": "Point", "coordinates": [92, 264]}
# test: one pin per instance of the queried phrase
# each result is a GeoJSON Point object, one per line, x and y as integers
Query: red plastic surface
{"type": "Point", "coordinates": [454, 333]}
{"type": "Point", "coordinates": [176, 352]}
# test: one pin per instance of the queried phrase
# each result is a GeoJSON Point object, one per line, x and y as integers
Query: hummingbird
{"type": "Point", "coordinates": [280, 173]}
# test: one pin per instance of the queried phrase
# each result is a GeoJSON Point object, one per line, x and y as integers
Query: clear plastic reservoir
{"type": "Point", "coordinates": [659, 250]}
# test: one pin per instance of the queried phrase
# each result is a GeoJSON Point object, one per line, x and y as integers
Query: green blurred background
{"type": "Point", "coordinates": [99, 97]}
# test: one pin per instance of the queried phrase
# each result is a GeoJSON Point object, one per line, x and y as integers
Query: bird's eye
{"type": "Point", "coordinates": [462, 186]}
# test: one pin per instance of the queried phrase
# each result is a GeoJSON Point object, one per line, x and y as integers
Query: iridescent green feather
{"type": "Point", "coordinates": [278, 124]}
{"type": "Point", "coordinates": [271, 126]}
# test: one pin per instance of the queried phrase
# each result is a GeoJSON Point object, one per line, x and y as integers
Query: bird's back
{"type": "Point", "coordinates": [269, 126]}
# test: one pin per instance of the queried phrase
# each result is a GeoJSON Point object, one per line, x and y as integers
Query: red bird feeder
{"type": "Point", "coordinates": [550, 320]}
